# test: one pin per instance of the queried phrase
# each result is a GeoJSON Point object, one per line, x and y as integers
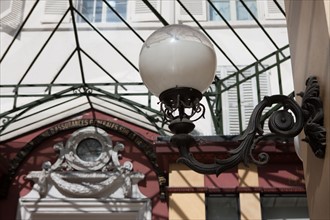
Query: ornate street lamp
{"type": "Point", "coordinates": [177, 64]}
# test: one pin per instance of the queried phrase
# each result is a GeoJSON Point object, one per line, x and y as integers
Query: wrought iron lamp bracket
{"type": "Point", "coordinates": [287, 122]}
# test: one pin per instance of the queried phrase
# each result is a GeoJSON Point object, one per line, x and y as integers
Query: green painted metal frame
{"type": "Point", "coordinates": [86, 90]}
{"type": "Point", "coordinates": [213, 97]}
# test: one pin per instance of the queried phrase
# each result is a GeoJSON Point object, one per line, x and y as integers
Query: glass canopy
{"type": "Point", "coordinates": [66, 57]}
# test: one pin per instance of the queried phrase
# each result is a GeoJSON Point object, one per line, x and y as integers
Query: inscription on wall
{"type": "Point", "coordinates": [145, 146]}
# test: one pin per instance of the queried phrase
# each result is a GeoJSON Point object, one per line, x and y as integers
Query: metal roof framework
{"type": "Point", "coordinates": [29, 102]}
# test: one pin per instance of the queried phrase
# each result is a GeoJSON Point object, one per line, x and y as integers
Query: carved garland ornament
{"type": "Point", "coordinates": [88, 166]}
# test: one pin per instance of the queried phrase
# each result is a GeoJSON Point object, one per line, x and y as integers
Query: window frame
{"type": "Point", "coordinates": [35, 208]}
{"type": "Point", "coordinates": [246, 107]}
{"type": "Point", "coordinates": [104, 12]}
{"type": "Point", "coordinates": [283, 195]}
{"type": "Point", "coordinates": [233, 12]}
{"type": "Point", "coordinates": [221, 195]}
{"type": "Point", "coordinates": [8, 10]}
{"type": "Point", "coordinates": [168, 10]}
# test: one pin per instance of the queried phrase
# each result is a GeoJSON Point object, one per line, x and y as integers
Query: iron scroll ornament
{"type": "Point", "coordinates": [287, 122]}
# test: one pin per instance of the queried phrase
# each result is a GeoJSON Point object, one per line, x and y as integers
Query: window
{"type": "Point", "coordinates": [232, 10]}
{"type": "Point", "coordinates": [282, 207]}
{"type": "Point", "coordinates": [11, 15]}
{"type": "Point", "coordinates": [222, 206]}
{"type": "Point", "coordinates": [98, 11]}
{"type": "Point", "coordinates": [242, 13]}
{"type": "Point", "coordinates": [239, 101]}
{"type": "Point", "coordinates": [5, 8]}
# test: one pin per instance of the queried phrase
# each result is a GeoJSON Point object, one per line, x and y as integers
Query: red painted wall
{"type": "Point", "coordinates": [45, 152]}
{"type": "Point", "coordinates": [283, 173]}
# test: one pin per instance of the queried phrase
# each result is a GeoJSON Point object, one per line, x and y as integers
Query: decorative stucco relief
{"type": "Point", "coordinates": [89, 173]}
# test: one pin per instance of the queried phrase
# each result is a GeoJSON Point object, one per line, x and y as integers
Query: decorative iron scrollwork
{"type": "Point", "coordinates": [287, 122]}
{"type": "Point", "coordinates": [83, 90]}
{"type": "Point", "coordinates": [313, 112]}
{"type": "Point", "coordinates": [175, 103]}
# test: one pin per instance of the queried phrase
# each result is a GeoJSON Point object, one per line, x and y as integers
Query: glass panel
{"type": "Point", "coordinates": [87, 10]}
{"type": "Point", "coordinates": [98, 11]}
{"type": "Point", "coordinates": [223, 6]}
{"type": "Point", "coordinates": [242, 13]}
{"type": "Point", "coordinates": [222, 207]}
{"type": "Point", "coordinates": [120, 6]}
{"type": "Point", "coordinates": [289, 207]}
{"type": "Point", "coordinates": [89, 149]}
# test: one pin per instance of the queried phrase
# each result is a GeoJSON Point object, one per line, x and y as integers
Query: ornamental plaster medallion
{"type": "Point", "coordinates": [87, 167]}
{"type": "Point", "coordinates": [88, 149]}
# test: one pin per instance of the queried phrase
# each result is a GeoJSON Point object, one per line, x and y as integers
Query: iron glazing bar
{"type": "Point", "coordinates": [72, 84]}
{"type": "Point", "coordinates": [261, 27]}
{"type": "Point", "coordinates": [42, 48]}
{"type": "Point", "coordinates": [219, 113]}
{"type": "Point", "coordinates": [279, 7]}
{"type": "Point", "coordinates": [46, 95]}
{"type": "Point", "coordinates": [205, 32]}
{"type": "Point", "coordinates": [122, 99]}
{"type": "Point", "coordinates": [24, 95]}
{"type": "Point", "coordinates": [156, 13]}
{"type": "Point", "coordinates": [2, 95]}
{"type": "Point", "coordinates": [59, 72]}
{"type": "Point", "coordinates": [19, 30]}
{"type": "Point", "coordinates": [261, 60]}
{"type": "Point", "coordinates": [78, 94]}
{"type": "Point", "coordinates": [252, 65]}
{"type": "Point", "coordinates": [40, 101]}
{"type": "Point", "coordinates": [104, 70]}
{"type": "Point", "coordinates": [239, 107]}
{"type": "Point", "coordinates": [279, 75]}
{"type": "Point", "coordinates": [46, 118]}
{"type": "Point", "coordinates": [13, 119]}
{"type": "Point", "coordinates": [249, 77]}
{"type": "Point", "coordinates": [9, 120]}
{"type": "Point", "coordinates": [216, 112]}
{"type": "Point", "coordinates": [258, 83]}
{"type": "Point", "coordinates": [151, 119]}
{"type": "Point", "coordinates": [48, 108]}
{"type": "Point", "coordinates": [101, 35]}
{"type": "Point", "coordinates": [77, 42]}
{"type": "Point", "coordinates": [122, 19]}
{"type": "Point", "coordinates": [37, 56]}
{"type": "Point", "coordinates": [261, 71]}
{"type": "Point", "coordinates": [63, 94]}
{"type": "Point", "coordinates": [232, 29]}
{"type": "Point", "coordinates": [215, 107]}
{"type": "Point", "coordinates": [90, 103]}
{"type": "Point", "coordinates": [149, 99]}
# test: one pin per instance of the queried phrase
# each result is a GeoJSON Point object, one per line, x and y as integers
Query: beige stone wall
{"type": "Point", "coordinates": [186, 205]}
{"type": "Point", "coordinates": [192, 205]}
{"type": "Point", "coordinates": [249, 202]}
{"type": "Point", "coordinates": [309, 38]}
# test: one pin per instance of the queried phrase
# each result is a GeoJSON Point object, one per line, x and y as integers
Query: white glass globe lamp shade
{"type": "Point", "coordinates": [177, 56]}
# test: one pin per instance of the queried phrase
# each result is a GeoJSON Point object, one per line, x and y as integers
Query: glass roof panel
{"type": "Point", "coordinates": [59, 58]}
